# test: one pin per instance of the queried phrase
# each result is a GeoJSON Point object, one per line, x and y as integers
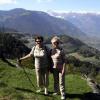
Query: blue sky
{"type": "Point", "coordinates": [52, 5]}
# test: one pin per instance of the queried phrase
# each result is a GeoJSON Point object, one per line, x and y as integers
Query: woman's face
{"type": "Point", "coordinates": [55, 44]}
{"type": "Point", "coordinates": [38, 41]}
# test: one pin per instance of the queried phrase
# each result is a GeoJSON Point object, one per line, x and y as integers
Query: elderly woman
{"type": "Point", "coordinates": [58, 58]}
{"type": "Point", "coordinates": [40, 53]}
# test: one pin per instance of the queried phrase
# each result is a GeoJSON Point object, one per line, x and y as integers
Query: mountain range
{"type": "Point", "coordinates": [87, 22]}
{"type": "Point", "coordinates": [84, 26]}
{"type": "Point", "coordinates": [34, 22]}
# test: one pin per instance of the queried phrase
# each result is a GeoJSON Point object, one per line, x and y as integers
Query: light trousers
{"type": "Point", "coordinates": [59, 81]}
{"type": "Point", "coordinates": [42, 75]}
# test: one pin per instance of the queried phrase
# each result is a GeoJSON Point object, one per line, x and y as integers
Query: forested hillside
{"type": "Point", "coordinates": [11, 46]}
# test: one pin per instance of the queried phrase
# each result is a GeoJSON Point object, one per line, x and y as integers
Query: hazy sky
{"type": "Point", "coordinates": [52, 5]}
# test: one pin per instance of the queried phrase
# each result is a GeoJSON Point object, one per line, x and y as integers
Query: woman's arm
{"type": "Point", "coordinates": [28, 55]}
{"type": "Point", "coordinates": [25, 57]}
{"type": "Point", "coordinates": [64, 69]}
{"type": "Point", "coordinates": [64, 63]}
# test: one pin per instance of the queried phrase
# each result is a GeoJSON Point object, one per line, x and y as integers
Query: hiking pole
{"type": "Point", "coordinates": [19, 63]}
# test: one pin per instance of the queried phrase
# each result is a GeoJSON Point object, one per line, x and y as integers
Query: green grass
{"type": "Point", "coordinates": [75, 83]}
{"type": "Point", "coordinates": [14, 85]}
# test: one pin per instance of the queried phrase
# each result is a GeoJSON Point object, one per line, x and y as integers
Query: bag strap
{"type": "Point", "coordinates": [47, 50]}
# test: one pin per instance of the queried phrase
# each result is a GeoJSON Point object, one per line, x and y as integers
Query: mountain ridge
{"type": "Point", "coordinates": [87, 22]}
{"type": "Point", "coordinates": [38, 22]}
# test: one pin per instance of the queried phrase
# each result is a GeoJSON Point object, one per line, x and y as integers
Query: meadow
{"type": "Point", "coordinates": [15, 85]}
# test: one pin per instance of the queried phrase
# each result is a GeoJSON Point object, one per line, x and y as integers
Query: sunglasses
{"type": "Point", "coordinates": [38, 41]}
{"type": "Point", "coordinates": [56, 42]}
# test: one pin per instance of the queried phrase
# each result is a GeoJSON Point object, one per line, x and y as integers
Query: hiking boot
{"type": "Point", "coordinates": [63, 97]}
{"type": "Point", "coordinates": [38, 91]}
{"type": "Point", "coordinates": [56, 93]}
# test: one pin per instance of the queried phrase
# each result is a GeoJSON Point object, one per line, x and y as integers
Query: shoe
{"type": "Point", "coordinates": [62, 97]}
{"type": "Point", "coordinates": [56, 93]}
{"type": "Point", "coordinates": [38, 91]}
{"type": "Point", "coordinates": [46, 91]}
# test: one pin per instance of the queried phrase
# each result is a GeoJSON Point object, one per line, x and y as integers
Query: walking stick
{"type": "Point", "coordinates": [19, 64]}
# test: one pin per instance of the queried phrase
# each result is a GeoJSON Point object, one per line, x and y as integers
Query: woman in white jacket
{"type": "Point", "coordinates": [40, 53]}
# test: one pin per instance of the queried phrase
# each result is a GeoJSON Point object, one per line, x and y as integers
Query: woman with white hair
{"type": "Point", "coordinates": [58, 58]}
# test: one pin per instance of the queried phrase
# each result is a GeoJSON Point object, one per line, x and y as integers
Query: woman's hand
{"type": "Point", "coordinates": [64, 69]}
{"type": "Point", "coordinates": [63, 72]}
{"type": "Point", "coordinates": [19, 60]}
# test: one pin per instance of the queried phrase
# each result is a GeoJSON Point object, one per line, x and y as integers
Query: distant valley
{"type": "Point", "coordinates": [87, 22]}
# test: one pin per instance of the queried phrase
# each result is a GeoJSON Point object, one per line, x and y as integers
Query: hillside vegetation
{"type": "Point", "coordinates": [11, 46]}
{"type": "Point", "coordinates": [14, 85]}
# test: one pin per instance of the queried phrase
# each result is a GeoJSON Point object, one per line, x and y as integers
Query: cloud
{"type": "Point", "coordinates": [44, 1]}
{"type": "Point", "coordinates": [2, 2]}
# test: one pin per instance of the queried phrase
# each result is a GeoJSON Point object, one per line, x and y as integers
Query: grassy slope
{"type": "Point", "coordinates": [89, 59]}
{"type": "Point", "coordinates": [14, 85]}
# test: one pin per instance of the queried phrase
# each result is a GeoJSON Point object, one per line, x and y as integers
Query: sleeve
{"type": "Point", "coordinates": [32, 51]}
